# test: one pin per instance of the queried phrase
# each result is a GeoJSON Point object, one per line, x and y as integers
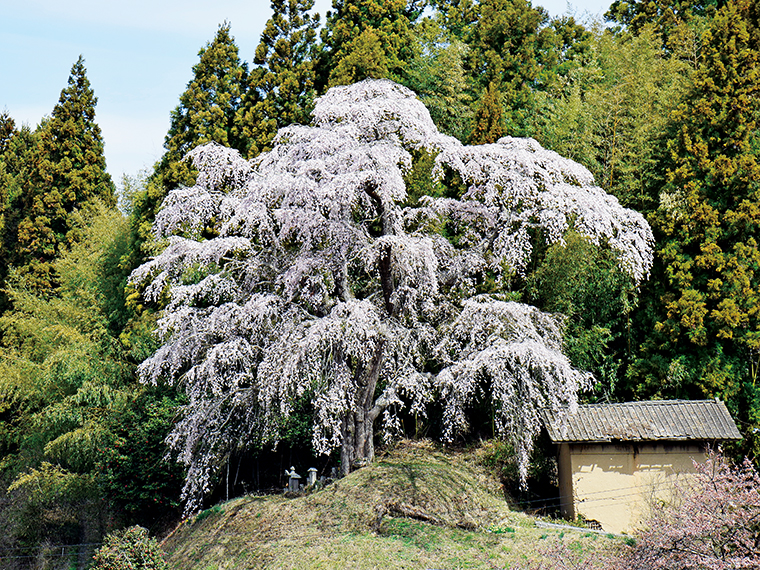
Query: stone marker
{"type": "Point", "coordinates": [293, 480]}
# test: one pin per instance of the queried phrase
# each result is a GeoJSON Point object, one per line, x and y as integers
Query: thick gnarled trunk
{"type": "Point", "coordinates": [358, 447]}
{"type": "Point", "coordinates": [358, 431]}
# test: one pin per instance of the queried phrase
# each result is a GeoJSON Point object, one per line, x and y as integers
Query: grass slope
{"type": "Point", "coordinates": [439, 510]}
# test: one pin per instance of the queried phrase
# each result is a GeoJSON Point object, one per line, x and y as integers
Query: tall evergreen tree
{"type": "Point", "coordinates": [708, 330]}
{"type": "Point", "coordinates": [7, 209]}
{"type": "Point", "coordinates": [710, 213]}
{"type": "Point", "coordinates": [438, 77]}
{"type": "Point", "coordinates": [207, 109]}
{"type": "Point", "coordinates": [7, 129]}
{"type": "Point", "coordinates": [389, 20]}
{"type": "Point", "coordinates": [457, 16]}
{"type": "Point", "coordinates": [7, 134]}
{"type": "Point", "coordinates": [69, 172]}
{"type": "Point", "coordinates": [363, 58]}
{"type": "Point", "coordinates": [281, 89]}
{"type": "Point", "coordinates": [507, 44]}
{"type": "Point", "coordinates": [17, 165]}
{"type": "Point", "coordinates": [488, 125]}
{"type": "Point", "coordinates": [569, 46]}
{"type": "Point", "coordinates": [207, 112]}
{"type": "Point", "coordinates": [513, 45]}
{"type": "Point", "coordinates": [664, 15]}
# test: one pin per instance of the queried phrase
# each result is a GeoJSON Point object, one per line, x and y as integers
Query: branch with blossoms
{"type": "Point", "coordinates": [714, 523]}
{"type": "Point", "coordinates": [307, 272]}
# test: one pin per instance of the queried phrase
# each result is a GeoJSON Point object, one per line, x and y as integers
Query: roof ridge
{"type": "Point", "coordinates": [652, 402]}
{"type": "Point", "coordinates": [646, 420]}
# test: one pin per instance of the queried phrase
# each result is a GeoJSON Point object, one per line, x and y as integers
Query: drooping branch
{"type": "Point", "coordinates": [386, 277]}
{"type": "Point", "coordinates": [300, 294]}
{"type": "Point", "coordinates": [384, 256]}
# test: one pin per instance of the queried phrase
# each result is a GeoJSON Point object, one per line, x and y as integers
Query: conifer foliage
{"type": "Point", "coordinates": [281, 87]}
{"type": "Point", "coordinates": [489, 117]}
{"type": "Point", "coordinates": [7, 129]}
{"type": "Point", "coordinates": [69, 171]}
{"type": "Point", "coordinates": [664, 15]}
{"type": "Point", "coordinates": [16, 174]}
{"type": "Point", "coordinates": [364, 58]}
{"type": "Point", "coordinates": [709, 209]}
{"type": "Point", "coordinates": [373, 37]}
{"type": "Point", "coordinates": [321, 282]}
{"type": "Point", "coordinates": [508, 44]}
{"type": "Point", "coordinates": [207, 109]}
{"type": "Point", "coordinates": [438, 77]}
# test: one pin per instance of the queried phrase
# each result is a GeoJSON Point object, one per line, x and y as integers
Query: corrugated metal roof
{"type": "Point", "coordinates": [674, 420]}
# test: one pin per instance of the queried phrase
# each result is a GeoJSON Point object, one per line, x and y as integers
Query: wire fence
{"type": "Point", "coordinates": [47, 551]}
{"type": "Point", "coordinates": [601, 496]}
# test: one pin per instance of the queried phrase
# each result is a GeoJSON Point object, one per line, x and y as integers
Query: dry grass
{"type": "Point", "coordinates": [337, 526]}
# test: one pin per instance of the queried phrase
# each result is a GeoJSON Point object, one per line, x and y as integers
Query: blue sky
{"type": "Point", "coordinates": [139, 56]}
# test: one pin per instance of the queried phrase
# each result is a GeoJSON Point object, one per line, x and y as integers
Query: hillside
{"type": "Point", "coordinates": [435, 509]}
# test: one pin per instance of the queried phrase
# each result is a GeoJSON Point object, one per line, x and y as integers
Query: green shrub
{"type": "Point", "coordinates": [130, 549]}
{"type": "Point", "coordinates": [216, 509]}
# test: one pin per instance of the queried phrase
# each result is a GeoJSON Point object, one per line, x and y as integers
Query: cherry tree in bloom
{"type": "Point", "coordinates": [714, 524]}
{"type": "Point", "coordinates": [309, 272]}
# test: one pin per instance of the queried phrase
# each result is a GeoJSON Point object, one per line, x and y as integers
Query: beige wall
{"type": "Point", "coordinates": [614, 484]}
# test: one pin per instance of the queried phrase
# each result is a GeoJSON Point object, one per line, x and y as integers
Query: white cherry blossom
{"type": "Point", "coordinates": [307, 273]}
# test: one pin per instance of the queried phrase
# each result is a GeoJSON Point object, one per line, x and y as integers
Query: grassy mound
{"type": "Point", "coordinates": [414, 507]}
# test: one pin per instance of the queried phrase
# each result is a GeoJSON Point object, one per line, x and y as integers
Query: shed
{"type": "Point", "coordinates": [614, 459]}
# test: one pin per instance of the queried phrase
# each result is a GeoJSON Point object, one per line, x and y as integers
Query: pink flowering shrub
{"type": "Point", "coordinates": [715, 526]}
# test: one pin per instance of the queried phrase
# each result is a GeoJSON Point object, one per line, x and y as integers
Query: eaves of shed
{"type": "Point", "coordinates": [656, 420]}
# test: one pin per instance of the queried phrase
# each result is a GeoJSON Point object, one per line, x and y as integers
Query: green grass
{"type": "Point", "coordinates": [336, 527]}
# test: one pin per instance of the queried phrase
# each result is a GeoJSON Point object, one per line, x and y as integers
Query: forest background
{"type": "Point", "coordinates": [660, 104]}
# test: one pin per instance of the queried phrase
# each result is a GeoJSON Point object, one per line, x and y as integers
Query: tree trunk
{"type": "Point", "coordinates": [358, 432]}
